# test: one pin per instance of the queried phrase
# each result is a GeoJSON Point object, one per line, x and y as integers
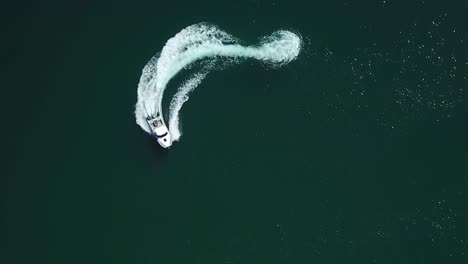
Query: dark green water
{"type": "Point", "coordinates": [357, 152]}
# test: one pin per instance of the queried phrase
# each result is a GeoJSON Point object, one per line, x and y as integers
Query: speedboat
{"type": "Point", "coordinates": [159, 130]}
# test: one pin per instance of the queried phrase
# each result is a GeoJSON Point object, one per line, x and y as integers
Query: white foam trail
{"type": "Point", "coordinates": [196, 42]}
{"type": "Point", "coordinates": [178, 100]}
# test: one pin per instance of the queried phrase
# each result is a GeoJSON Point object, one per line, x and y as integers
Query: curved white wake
{"type": "Point", "coordinates": [196, 42]}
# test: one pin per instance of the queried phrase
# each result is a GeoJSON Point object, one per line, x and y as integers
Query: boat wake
{"type": "Point", "coordinates": [215, 49]}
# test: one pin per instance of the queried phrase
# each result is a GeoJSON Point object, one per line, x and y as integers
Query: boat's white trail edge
{"type": "Point", "coordinates": [203, 42]}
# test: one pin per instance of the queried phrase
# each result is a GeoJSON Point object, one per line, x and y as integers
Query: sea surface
{"type": "Point", "coordinates": [355, 152]}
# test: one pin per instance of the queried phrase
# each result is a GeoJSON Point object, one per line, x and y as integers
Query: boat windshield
{"type": "Point", "coordinates": [157, 122]}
